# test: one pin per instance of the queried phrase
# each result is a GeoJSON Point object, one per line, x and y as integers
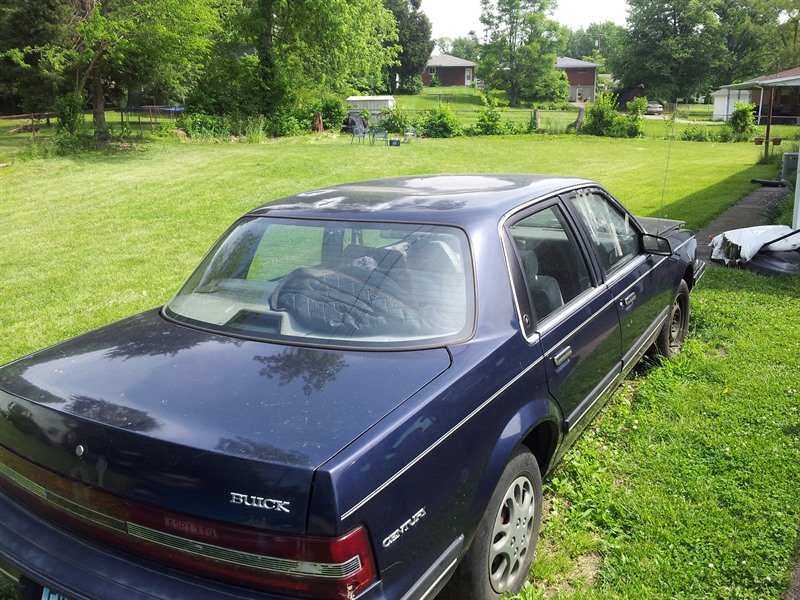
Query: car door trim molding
{"type": "Point", "coordinates": [441, 440]}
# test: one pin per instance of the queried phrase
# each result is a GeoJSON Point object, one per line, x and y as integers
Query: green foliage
{"type": "Point", "coordinates": [69, 112]}
{"type": "Point", "coordinates": [604, 119]}
{"type": "Point", "coordinates": [440, 122]}
{"type": "Point", "coordinates": [435, 82]}
{"type": "Point", "coordinates": [410, 84]}
{"type": "Point", "coordinates": [489, 117]}
{"type": "Point", "coordinates": [521, 46]}
{"type": "Point", "coordinates": [696, 133]}
{"type": "Point", "coordinates": [742, 121]}
{"type": "Point", "coordinates": [414, 40]}
{"type": "Point", "coordinates": [395, 120]}
{"type": "Point", "coordinates": [636, 110]}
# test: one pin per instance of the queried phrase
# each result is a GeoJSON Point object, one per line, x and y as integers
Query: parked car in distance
{"type": "Point", "coordinates": [654, 108]}
{"type": "Point", "coordinates": [355, 395]}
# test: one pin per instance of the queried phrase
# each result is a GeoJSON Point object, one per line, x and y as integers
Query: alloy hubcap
{"type": "Point", "coordinates": [511, 535]}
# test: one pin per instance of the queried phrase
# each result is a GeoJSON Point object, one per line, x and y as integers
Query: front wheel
{"type": "Point", "coordinates": [672, 335]}
{"type": "Point", "coordinates": [499, 559]}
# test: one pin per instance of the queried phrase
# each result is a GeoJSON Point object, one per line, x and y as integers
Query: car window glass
{"type": "Point", "coordinates": [611, 231]}
{"type": "Point", "coordinates": [334, 283]}
{"type": "Point", "coordinates": [555, 271]}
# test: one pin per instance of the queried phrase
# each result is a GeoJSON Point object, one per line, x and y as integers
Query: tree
{"type": "Point", "coordinates": [23, 79]}
{"type": "Point", "coordinates": [113, 47]}
{"type": "Point", "coordinates": [521, 45]}
{"type": "Point", "coordinates": [414, 39]}
{"type": "Point", "coordinates": [672, 47]}
{"type": "Point", "coordinates": [596, 43]}
{"type": "Point", "coordinates": [787, 55]}
{"type": "Point", "coordinates": [749, 30]}
{"type": "Point", "coordinates": [306, 46]}
{"type": "Point", "coordinates": [467, 47]}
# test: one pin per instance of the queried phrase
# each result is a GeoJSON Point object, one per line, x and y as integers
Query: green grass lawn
{"type": "Point", "coordinates": [685, 487]}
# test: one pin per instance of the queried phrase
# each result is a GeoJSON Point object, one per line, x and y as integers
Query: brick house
{"type": "Point", "coordinates": [449, 70]}
{"type": "Point", "coordinates": [582, 77]}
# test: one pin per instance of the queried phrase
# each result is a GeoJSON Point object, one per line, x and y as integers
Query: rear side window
{"type": "Point", "coordinates": [551, 260]}
{"type": "Point", "coordinates": [329, 283]}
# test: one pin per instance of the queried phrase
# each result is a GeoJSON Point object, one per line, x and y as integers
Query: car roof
{"type": "Point", "coordinates": [459, 200]}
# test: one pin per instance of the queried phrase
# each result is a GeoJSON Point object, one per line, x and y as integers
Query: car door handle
{"type": "Point", "coordinates": [563, 356]}
{"type": "Point", "coordinates": [629, 299]}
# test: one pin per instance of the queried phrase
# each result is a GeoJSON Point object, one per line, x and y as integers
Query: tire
{"type": "Point", "coordinates": [499, 559]}
{"type": "Point", "coordinates": [672, 335]}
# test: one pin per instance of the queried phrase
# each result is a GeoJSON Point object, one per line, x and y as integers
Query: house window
{"type": "Point", "coordinates": [582, 70]}
{"type": "Point", "coordinates": [431, 70]}
{"type": "Point", "coordinates": [469, 75]}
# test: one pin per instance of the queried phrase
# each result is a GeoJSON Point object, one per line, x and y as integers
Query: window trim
{"type": "Point", "coordinates": [530, 327]}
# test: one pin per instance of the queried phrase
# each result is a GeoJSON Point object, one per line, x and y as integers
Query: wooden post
{"type": "Point", "coordinates": [769, 121]}
{"type": "Point", "coordinates": [579, 121]}
{"type": "Point", "coordinates": [538, 118]}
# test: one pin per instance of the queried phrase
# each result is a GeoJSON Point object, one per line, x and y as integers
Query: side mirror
{"type": "Point", "coordinates": [655, 244]}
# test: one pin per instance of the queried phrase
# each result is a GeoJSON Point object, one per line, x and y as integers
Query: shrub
{"type": "Point", "coordinates": [435, 82]}
{"type": "Point", "coordinates": [696, 133]}
{"type": "Point", "coordinates": [603, 118]}
{"type": "Point", "coordinates": [410, 84]}
{"type": "Point", "coordinates": [69, 112]}
{"type": "Point", "coordinates": [636, 109]}
{"type": "Point", "coordinates": [395, 120]}
{"type": "Point", "coordinates": [489, 118]}
{"type": "Point", "coordinates": [440, 122]}
{"type": "Point", "coordinates": [334, 112]}
{"type": "Point", "coordinates": [742, 122]}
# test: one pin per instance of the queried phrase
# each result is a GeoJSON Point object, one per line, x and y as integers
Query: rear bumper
{"type": "Point", "coordinates": [82, 571]}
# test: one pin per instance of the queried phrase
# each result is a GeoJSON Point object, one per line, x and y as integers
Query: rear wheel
{"type": "Point", "coordinates": [499, 559]}
{"type": "Point", "coordinates": [672, 335]}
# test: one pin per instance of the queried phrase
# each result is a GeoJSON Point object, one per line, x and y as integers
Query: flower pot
{"type": "Point", "coordinates": [776, 141]}
{"type": "Point", "coordinates": [759, 141]}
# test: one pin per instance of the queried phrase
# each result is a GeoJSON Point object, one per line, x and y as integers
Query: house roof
{"type": "Point", "coordinates": [445, 60]}
{"type": "Point", "coordinates": [564, 62]}
{"type": "Point", "coordinates": [782, 79]}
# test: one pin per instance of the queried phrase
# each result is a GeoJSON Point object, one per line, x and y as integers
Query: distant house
{"type": "Point", "coordinates": [449, 70]}
{"type": "Point", "coordinates": [582, 77]}
{"type": "Point", "coordinates": [775, 94]}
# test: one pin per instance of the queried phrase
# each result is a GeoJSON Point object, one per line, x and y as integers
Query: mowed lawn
{"type": "Point", "coordinates": [687, 485]}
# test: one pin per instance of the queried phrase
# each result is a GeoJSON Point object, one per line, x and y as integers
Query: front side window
{"type": "Point", "coordinates": [333, 283]}
{"type": "Point", "coordinates": [551, 260]}
{"type": "Point", "coordinates": [610, 229]}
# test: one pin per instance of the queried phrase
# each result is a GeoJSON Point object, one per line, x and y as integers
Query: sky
{"type": "Point", "coordinates": [455, 18]}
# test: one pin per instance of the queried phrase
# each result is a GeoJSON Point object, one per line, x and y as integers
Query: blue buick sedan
{"type": "Point", "coordinates": [355, 395]}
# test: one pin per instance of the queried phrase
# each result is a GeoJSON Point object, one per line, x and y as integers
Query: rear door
{"type": "Point", "coordinates": [637, 281]}
{"type": "Point", "coordinates": [565, 308]}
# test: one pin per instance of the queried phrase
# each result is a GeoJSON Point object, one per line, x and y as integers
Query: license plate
{"type": "Point", "coordinates": [51, 595]}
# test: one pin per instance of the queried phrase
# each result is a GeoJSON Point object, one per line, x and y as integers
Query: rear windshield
{"type": "Point", "coordinates": [333, 283]}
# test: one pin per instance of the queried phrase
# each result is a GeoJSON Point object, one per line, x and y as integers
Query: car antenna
{"type": "Point", "coordinates": [666, 169]}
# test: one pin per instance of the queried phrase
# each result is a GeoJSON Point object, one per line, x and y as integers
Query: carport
{"type": "Point", "coordinates": [789, 80]}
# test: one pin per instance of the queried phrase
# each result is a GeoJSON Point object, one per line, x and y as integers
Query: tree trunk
{"type": "Point", "coordinates": [99, 112]}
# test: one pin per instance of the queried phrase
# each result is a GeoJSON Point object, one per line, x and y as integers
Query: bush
{"type": "Point", "coordinates": [603, 118]}
{"type": "Point", "coordinates": [489, 118]}
{"type": "Point", "coordinates": [742, 122]}
{"type": "Point", "coordinates": [435, 82]}
{"type": "Point", "coordinates": [69, 112]}
{"type": "Point", "coordinates": [636, 109]}
{"type": "Point", "coordinates": [440, 122]}
{"type": "Point", "coordinates": [696, 133]}
{"type": "Point", "coordinates": [395, 120]}
{"type": "Point", "coordinates": [410, 84]}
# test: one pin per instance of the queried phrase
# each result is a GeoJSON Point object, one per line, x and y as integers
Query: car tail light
{"type": "Point", "coordinates": [314, 567]}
